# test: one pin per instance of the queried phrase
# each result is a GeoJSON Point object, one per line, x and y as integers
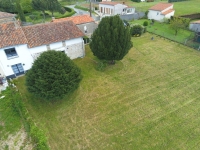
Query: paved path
{"type": "Point", "coordinates": [79, 11]}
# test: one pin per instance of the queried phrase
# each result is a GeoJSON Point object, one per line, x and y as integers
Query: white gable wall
{"type": "Point", "coordinates": [168, 16]}
{"type": "Point", "coordinates": [119, 8]}
{"type": "Point", "coordinates": [156, 15]}
{"type": "Point", "coordinates": [24, 57]}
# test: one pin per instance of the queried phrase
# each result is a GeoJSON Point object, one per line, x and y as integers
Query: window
{"type": "Point", "coordinates": [48, 47]}
{"type": "Point", "coordinates": [157, 13]}
{"type": "Point", "coordinates": [63, 43]}
{"type": "Point", "coordinates": [18, 69]}
{"type": "Point", "coordinates": [11, 52]}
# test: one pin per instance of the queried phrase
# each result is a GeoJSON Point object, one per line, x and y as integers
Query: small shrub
{"type": "Point", "coordinates": [145, 23]}
{"type": "Point", "coordinates": [136, 30]}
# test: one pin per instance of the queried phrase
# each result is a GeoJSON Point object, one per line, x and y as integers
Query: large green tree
{"type": "Point", "coordinates": [53, 5]}
{"type": "Point", "coordinates": [111, 40]}
{"type": "Point", "coordinates": [53, 75]}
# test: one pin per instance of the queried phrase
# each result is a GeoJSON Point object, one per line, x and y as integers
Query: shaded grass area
{"type": "Point", "coordinates": [164, 30]}
{"type": "Point", "coordinates": [10, 121]}
{"type": "Point", "coordinates": [149, 100]}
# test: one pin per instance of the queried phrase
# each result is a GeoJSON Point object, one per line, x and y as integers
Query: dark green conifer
{"type": "Point", "coordinates": [111, 40]}
{"type": "Point", "coordinates": [53, 75]}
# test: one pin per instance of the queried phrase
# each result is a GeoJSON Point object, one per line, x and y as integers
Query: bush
{"type": "Point", "coordinates": [145, 23]}
{"type": "Point", "coordinates": [136, 30]}
{"type": "Point", "coordinates": [53, 75]}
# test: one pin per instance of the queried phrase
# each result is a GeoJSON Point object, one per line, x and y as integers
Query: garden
{"type": "Point", "coordinates": [149, 100]}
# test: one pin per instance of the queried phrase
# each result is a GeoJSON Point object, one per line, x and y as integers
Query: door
{"type": "Point", "coordinates": [18, 69]}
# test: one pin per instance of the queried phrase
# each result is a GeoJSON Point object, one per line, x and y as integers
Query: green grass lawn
{"type": "Point", "coordinates": [181, 8]}
{"type": "Point", "coordinates": [164, 30]}
{"type": "Point", "coordinates": [10, 121]}
{"type": "Point", "coordinates": [149, 100]}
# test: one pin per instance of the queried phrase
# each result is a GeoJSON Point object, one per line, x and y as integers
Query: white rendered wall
{"type": "Point", "coordinates": [156, 15]}
{"type": "Point", "coordinates": [24, 57]}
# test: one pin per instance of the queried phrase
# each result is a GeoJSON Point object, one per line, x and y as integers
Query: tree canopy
{"type": "Point", "coordinates": [177, 23]}
{"type": "Point", "coordinates": [111, 40]}
{"type": "Point", "coordinates": [53, 75]}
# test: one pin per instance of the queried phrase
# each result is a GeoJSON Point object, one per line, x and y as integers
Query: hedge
{"type": "Point", "coordinates": [82, 8]}
{"type": "Point", "coordinates": [71, 12]}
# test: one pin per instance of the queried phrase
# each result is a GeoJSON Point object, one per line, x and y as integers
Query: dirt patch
{"type": "Point", "coordinates": [17, 141]}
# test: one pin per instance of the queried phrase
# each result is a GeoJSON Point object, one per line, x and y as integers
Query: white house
{"type": "Point", "coordinates": [195, 26]}
{"type": "Point", "coordinates": [107, 8]}
{"type": "Point", "coordinates": [161, 11]}
{"type": "Point", "coordinates": [20, 46]}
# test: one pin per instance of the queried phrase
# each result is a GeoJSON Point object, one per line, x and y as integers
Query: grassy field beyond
{"type": "Point", "coordinates": [149, 100]}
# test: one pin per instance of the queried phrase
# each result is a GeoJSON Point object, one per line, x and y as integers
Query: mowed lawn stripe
{"type": "Point", "coordinates": [149, 100]}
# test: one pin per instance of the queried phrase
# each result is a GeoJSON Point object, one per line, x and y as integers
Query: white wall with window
{"type": "Point", "coordinates": [15, 60]}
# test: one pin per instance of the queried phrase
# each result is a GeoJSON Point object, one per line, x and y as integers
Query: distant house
{"type": "Point", "coordinates": [195, 26]}
{"type": "Point", "coordinates": [21, 45]}
{"type": "Point", "coordinates": [84, 22]}
{"type": "Point", "coordinates": [161, 11]}
{"type": "Point", "coordinates": [114, 8]}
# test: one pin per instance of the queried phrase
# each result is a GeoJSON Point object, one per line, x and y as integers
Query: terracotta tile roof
{"type": "Point", "coordinates": [109, 3]}
{"type": "Point", "coordinates": [77, 19]}
{"type": "Point", "coordinates": [11, 35]}
{"type": "Point", "coordinates": [196, 22]}
{"type": "Point", "coordinates": [44, 34]}
{"type": "Point", "coordinates": [6, 15]}
{"type": "Point", "coordinates": [161, 6]}
{"type": "Point", "coordinates": [167, 11]}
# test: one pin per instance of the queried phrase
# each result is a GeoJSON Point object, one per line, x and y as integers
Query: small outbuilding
{"type": "Point", "coordinates": [161, 11]}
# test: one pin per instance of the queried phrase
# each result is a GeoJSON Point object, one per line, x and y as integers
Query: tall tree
{"type": "Point", "coordinates": [40, 5]}
{"type": "Point", "coordinates": [53, 5]}
{"type": "Point", "coordinates": [53, 75]}
{"type": "Point", "coordinates": [20, 11]}
{"type": "Point", "coordinates": [111, 40]}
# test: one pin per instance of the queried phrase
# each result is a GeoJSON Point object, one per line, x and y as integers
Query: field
{"type": "Point", "coordinates": [149, 100]}
{"type": "Point", "coordinates": [181, 8]}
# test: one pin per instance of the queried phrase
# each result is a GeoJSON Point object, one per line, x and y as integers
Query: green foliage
{"type": "Point", "coordinates": [9, 118]}
{"type": "Point", "coordinates": [20, 11]}
{"type": "Point", "coordinates": [101, 65]}
{"type": "Point", "coordinates": [53, 75]}
{"type": "Point", "coordinates": [82, 8]}
{"type": "Point", "coordinates": [177, 23]}
{"type": "Point", "coordinates": [145, 23]}
{"type": "Point", "coordinates": [39, 138]}
{"type": "Point", "coordinates": [26, 5]}
{"type": "Point", "coordinates": [70, 10]}
{"type": "Point", "coordinates": [52, 6]}
{"type": "Point", "coordinates": [136, 30]}
{"type": "Point", "coordinates": [136, 0]}
{"type": "Point", "coordinates": [8, 6]}
{"type": "Point", "coordinates": [111, 40]}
